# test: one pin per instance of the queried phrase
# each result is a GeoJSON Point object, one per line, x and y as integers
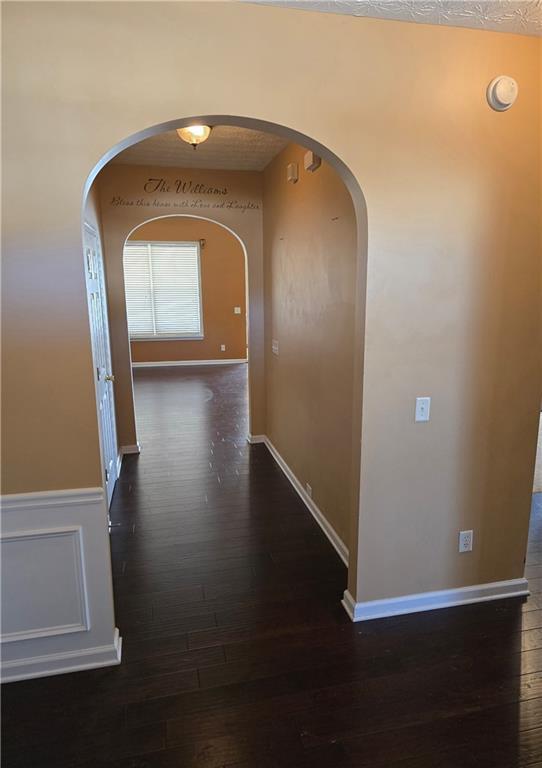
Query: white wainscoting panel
{"type": "Point", "coordinates": [31, 562]}
{"type": "Point", "coordinates": [57, 596]}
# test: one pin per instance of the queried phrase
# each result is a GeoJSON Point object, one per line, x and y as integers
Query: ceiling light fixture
{"type": "Point", "coordinates": [194, 134]}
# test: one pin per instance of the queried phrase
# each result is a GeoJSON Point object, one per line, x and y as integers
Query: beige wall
{"type": "Point", "coordinates": [452, 193]}
{"type": "Point", "coordinates": [131, 195]}
{"type": "Point", "coordinates": [49, 431]}
{"type": "Point", "coordinates": [222, 288]}
{"type": "Point", "coordinates": [310, 275]}
{"type": "Point", "coordinates": [453, 301]}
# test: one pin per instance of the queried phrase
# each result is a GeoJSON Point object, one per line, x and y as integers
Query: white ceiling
{"type": "Point", "coordinates": [522, 17]}
{"type": "Point", "coordinates": [228, 148]}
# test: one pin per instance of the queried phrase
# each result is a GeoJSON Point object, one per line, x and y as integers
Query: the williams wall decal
{"type": "Point", "coordinates": [182, 186]}
{"type": "Point", "coordinates": [183, 194]}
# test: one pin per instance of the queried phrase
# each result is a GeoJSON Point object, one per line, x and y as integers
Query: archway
{"type": "Point", "coordinates": [223, 262]}
{"type": "Point", "coordinates": [255, 312]}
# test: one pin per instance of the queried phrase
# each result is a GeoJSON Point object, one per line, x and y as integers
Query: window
{"type": "Point", "coordinates": [163, 290]}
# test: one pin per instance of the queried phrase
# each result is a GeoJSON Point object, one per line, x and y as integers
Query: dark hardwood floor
{"type": "Point", "coordinates": [236, 651]}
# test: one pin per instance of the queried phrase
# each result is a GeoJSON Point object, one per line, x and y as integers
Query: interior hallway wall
{"type": "Point", "coordinates": [57, 602]}
{"type": "Point", "coordinates": [310, 276]}
{"type": "Point", "coordinates": [222, 264]}
{"type": "Point", "coordinates": [34, 337]}
{"type": "Point", "coordinates": [453, 259]}
{"type": "Point", "coordinates": [130, 196]}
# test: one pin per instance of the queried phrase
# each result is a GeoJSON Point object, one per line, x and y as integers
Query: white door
{"type": "Point", "coordinates": [99, 330]}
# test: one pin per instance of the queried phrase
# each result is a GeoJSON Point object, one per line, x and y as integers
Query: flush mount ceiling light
{"type": "Point", "coordinates": [194, 134]}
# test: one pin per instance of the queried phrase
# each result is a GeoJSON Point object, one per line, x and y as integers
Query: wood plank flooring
{"type": "Point", "coordinates": [236, 651]}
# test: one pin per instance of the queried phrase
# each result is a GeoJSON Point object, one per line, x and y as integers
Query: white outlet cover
{"type": "Point", "coordinates": [222, 347]}
{"type": "Point", "coordinates": [466, 541]}
{"type": "Point", "coordinates": [237, 310]}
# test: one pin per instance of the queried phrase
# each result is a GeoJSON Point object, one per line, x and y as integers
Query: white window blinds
{"type": "Point", "coordinates": [163, 290]}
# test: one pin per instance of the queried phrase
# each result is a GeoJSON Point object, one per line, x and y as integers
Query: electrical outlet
{"type": "Point", "coordinates": [465, 541]}
{"type": "Point", "coordinates": [275, 347]}
{"type": "Point", "coordinates": [237, 310]}
{"type": "Point", "coordinates": [423, 409]}
{"type": "Point", "coordinates": [308, 488]}
{"type": "Point", "coordinates": [222, 347]}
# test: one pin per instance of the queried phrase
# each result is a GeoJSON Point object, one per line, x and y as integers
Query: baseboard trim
{"type": "Point", "coordinates": [129, 449]}
{"type": "Point", "coordinates": [175, 363]}
{"type": "Point", "coordinates": [62, 663]}
{"type": "Point", "coordinates": [254, 439]}
{"type": "Point", "coordinates": [430, 601]}
{"type": "Point", "coordinates": [126, 450]}
{"type": "Point", "coordinates": [338, 544]}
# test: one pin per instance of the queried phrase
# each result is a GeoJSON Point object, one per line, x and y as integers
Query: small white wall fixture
{"type": "Point", "coordinates": [57, 606]}
{"type": "Point", "coordinates": [502, 93]}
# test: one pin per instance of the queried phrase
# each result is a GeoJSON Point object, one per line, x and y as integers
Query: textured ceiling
{"type": "Point", "coordinates": [522, 17]}
{"type": "Point", "coordinates": [228, 148]}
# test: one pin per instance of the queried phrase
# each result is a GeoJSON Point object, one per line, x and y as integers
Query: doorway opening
{"type": "Point", "coordinates": [300, 219]}
{"type": "Point", "coordinates": [186, 288]}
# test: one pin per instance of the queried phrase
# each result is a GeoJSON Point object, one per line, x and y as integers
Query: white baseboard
{"type": "Point", "coordinates": [175, 363]}
{"type": "Point", "coordinates": [57, 596]}
{"type": "Point", "coordinates": [253, 439]}
{"type": "Point", "coordinates": [430, 601]}
{"type": "Point", "coordinates": [61, 663]}
{"type": "Point", "coordinates": [128, 449]}
{"type": "Point", "coordinates": [330, 532]}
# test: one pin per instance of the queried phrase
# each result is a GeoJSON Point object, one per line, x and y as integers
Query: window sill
{"type": "Point", "coordinates": [167, 338]}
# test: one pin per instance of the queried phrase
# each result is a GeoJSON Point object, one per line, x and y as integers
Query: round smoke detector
{"type": "Point", "coordinates": [502, 93]}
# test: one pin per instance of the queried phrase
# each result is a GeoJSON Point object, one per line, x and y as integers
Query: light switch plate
{"type": "Point", "coordinates": [423, 409]}
{"type": "Point", "coordinates": [237, 310]}
{"type": "Point", "coordinates": [275, 346]}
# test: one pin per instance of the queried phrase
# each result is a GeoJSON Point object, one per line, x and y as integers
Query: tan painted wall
{"type": "Point", "coordinates": [222, 288]}
{"type": "Point", "coordinates": [453, 245]}
{"type": "Point", "coordinates": [47, 370]}
{"type": "Point", "coordinates": [129, 198]}
{"type": "Point", "coordinates": [310, 277]}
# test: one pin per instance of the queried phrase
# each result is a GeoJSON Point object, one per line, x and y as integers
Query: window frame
{"type": "Point", "coordinates": [164, 336]}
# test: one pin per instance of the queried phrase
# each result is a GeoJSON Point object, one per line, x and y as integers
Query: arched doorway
{"type": "Point", "coordinates": [256, 320]}
{"type": "Point", "coordinates": [222, 266]}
